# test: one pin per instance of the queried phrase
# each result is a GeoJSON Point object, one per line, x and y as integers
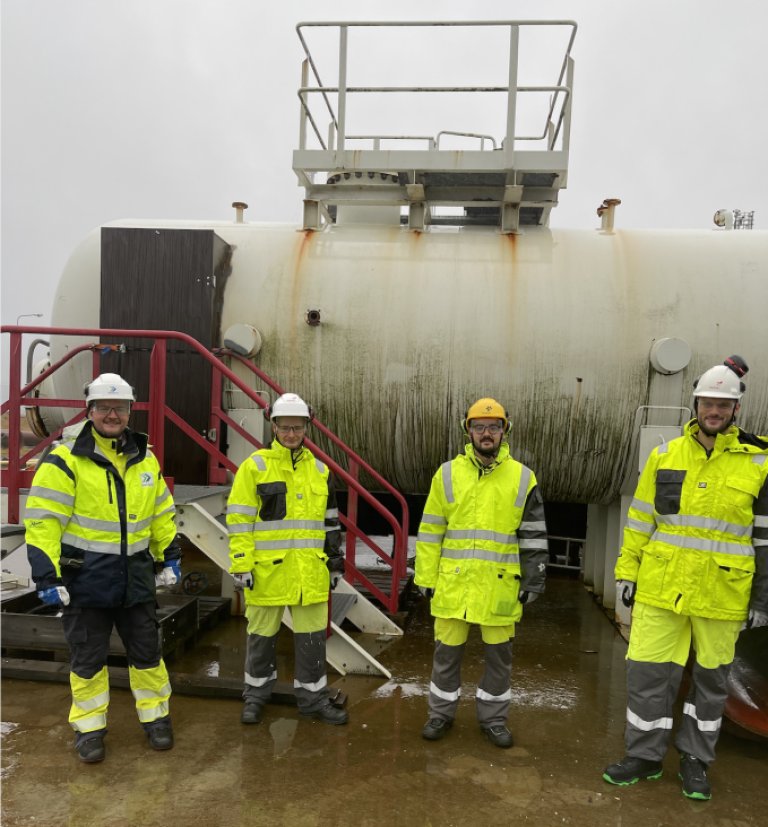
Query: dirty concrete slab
{"type": "Point", "coordinates": [567, 718]}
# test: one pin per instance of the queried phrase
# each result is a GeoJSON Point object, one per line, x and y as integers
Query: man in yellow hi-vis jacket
{"type": "Point", "coordinates": [694, 565]}
{"type": "Point", "coordinates": [285, 550]}
{"type": "Point", "coordinates": [481, 554]}
{"type": "Point", "coordinates": [100, 536]}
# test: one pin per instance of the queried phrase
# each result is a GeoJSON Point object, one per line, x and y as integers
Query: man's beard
{"type": "Point", "coordinates": [486, 452]}
{"type": "Point", "coordinates": [721, 430]}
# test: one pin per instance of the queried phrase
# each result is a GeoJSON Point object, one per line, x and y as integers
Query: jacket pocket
{"type": "Point", "coordinates": [506, 589]}
{"type": "Point", "coordinates": [273, 500]}
{"type": "Point", "coordinates": [653, 570]}
{"type": "Point", "coordinates": [740, 495]}
{"type": "Point", "coordinates": [727, 588]}
{"type": "Point", "coordinates": [449, 588]}
{"type": "Point", "coordinates": [71, 561]}
{"type": "Point", "coordinates": [669, 489]}
{"type": "Point", "coordinates": [271, 580]}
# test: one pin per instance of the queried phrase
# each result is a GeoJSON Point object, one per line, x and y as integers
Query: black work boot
{"type": "Point", "coordinates": [90, 746]}
{"type": "Point", "coordinates": [160, 733]}
{"type": "Point", "coordinates": [329, 714]}
{"type": "Point", "coordinates": [693, 774]}
{"type": "Point", "coordinates": [498, 735]}
{"type": "Point", "coordinates": [435, 729]}
{"type": "Point", "coordinates": [251, 714]}
{"type": "Point", "coordinates": [631, 770]}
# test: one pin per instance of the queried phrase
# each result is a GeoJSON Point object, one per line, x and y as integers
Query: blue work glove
{"type": "Point", "coordinates": [54, 596]}
{"type": "Point", "coordinates": [526, 598]}
{"type": "Point", "coordinates": [627, 591]}
{"type": "Point", "coordinates": [170, 574]}
{"type": "Point", "coordinates": [243, 580]}
{"type": "Point", "coordinates": [757, 618]}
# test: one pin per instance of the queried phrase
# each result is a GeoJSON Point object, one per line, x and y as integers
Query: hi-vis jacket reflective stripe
{"type": "Point", "coordinates": [95, 531]}
{"type": "Point", "coordinates": [482, 539]}
{"type": "Point", "coordinates": [283, 524]}
{"type": "Point", "coordinates": [696, 538]}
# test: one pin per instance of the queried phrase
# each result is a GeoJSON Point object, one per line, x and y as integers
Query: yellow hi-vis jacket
{"type": "Point", "coordinates": [482, 539]}
{"type": "Point", "coordinates": [283, 526]}
{"type": "Point", "coordinates": [696, 537]}
{"type": "Point", "coordinates": [95, 531]}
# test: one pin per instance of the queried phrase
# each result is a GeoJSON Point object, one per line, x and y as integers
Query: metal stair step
{"type": "Point", "coordinates": [340, 606]}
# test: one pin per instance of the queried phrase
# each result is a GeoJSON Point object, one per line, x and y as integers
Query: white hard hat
{"type": "Point", "coordinates": [289, 404]}
{"type": "Point", "coordinates": [108, 386]}
{"type": "Point", "coordinates": [719, 382]}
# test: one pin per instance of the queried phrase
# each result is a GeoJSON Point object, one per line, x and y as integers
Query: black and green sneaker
{"type": "Point", "coordinates": [631, 770]}
{"type": "Point", "coordinates": [693, 774]}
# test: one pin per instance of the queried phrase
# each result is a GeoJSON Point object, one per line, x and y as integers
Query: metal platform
{"type": "Point", "coordinates": [28, 625]}
{"type": "Point", "coordinates": [496, 182]}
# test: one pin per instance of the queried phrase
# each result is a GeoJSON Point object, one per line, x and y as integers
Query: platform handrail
{"type": "Point", "coordinates": [558, 104]}
{"type": "Point", "coordinates": [159, 412]}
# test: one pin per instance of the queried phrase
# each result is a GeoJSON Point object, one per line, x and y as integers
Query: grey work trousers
{"type": "Point", "coordinates": [310, 681]}
{"type": "Point", "coordinates": [493, 691]}
{"type": "Point", "coordinates": [652, 690]}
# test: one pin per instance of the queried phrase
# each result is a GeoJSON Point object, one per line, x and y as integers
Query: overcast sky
{"type": "Point", "coordinates": [175, 108]}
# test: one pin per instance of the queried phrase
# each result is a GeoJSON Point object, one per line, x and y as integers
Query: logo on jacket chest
{"type": "Point", "coordinates": [147, 479]}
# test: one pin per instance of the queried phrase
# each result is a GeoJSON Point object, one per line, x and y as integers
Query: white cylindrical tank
{"type": "Point", "coordinates": [391, 334]}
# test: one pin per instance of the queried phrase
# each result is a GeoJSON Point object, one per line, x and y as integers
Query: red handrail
{"type": "Point", "coordinates": [16, 475]}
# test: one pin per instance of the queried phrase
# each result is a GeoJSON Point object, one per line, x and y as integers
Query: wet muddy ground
{"type": "Point", "coordinates": [567, 718]}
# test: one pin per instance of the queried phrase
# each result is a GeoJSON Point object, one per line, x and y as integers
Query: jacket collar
{"type": "Point", "coordinates": [287, 455]}
{"type": "Point", "coordinates": [502, 456]}
{"type": "Point", "coordinates": [133, 445]}
{"type": "Point", "coordinates": [734, 439]}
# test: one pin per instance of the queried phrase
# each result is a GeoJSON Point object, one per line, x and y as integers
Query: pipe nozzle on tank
{"type": "Point", "coordinates": [240, 208]}
{"type": "Point", "coordinates": [606, 212]}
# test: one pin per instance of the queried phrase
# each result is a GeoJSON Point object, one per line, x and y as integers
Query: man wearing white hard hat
{"type": "Point", "coordinates": [285, 551]}
{"type": "Point", "coordinates": [101, 536]}
{"type": "Point", "coordinates": [694, 567]}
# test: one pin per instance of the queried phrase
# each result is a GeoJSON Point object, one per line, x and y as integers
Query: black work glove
{"type": "Point", "coordinates": [426, 592]}
{"type": "Point", "coordinates": [627, 591]}
{"type": "Point", "coordinates": [336, 568]}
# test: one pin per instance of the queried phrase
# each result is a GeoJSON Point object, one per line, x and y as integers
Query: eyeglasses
{"type": "Point", "coordinates": [479, 429]}
{"type": "Point", "coordinates": [291, 429]}
{"type": "Point", "coordinates": [120, 410]}
{"type": "Point", "coordinates": [720, 405]}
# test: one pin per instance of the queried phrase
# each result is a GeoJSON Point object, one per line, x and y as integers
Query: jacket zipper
{"type": "Point", "coordinates": [109, 486]}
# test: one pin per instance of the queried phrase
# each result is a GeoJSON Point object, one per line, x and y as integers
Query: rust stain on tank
{"type": "Point", "coordinates": [297, 284]}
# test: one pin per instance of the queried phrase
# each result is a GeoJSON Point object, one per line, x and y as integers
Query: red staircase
{"type": "Point", "coordinates": [18, 474]}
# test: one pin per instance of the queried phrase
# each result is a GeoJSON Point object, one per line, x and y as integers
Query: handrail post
{"type": "Point", "coordinates": [156, 419]}
{"type": "Point", "coordinates": [568, 103]}
{"type": "Point", "coordinates": [352, 503]}
{"type": "Point", "coordinates": [216, 474]}
{"type": "Point", "coordinates": [509, 140]}
{"type": "Point", "coordinates": [304, 105]}
{"type": "Point", "coordinates": [342, 117]}
{"type": "Point", "coordinates": [95, 362]}
{"type": "Point", "coordinates": [14, 428]}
